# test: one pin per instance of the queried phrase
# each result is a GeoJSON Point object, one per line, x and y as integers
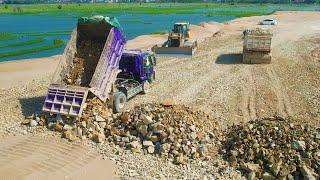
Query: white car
{"type": "Point", "coordinates": [268, 22]}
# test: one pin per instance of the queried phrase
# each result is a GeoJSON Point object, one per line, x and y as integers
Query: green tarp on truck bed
{"type": "Point", "coordinates": [100, 19]}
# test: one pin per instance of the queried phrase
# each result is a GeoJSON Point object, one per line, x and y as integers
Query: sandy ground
{"type": "Point", "coordinates": [214, 80]}
{"type": "Point", "coordinates": [14, 73]}
{"type": "Point", "coordinates": [39, 158]}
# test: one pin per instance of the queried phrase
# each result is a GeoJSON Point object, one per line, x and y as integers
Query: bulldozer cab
{"type": "Point", "coordinates": [182, 28]}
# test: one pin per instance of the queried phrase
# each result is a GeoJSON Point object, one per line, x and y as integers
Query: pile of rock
{"type": "Point", "coordinates": [84, 63]}
{"type": "Point", "coordinates": [170, 131]}
{"type": "Point", "coordinates": [258, 31]}
{"type": "Point", "coordinates": [274, 148]}
{"type": "Point", "coordinates": [176, 132]}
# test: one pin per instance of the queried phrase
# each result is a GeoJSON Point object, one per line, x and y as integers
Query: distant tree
{"type": "Point", "coordinates": [59, 6]}
{"type": "Point", "coordinates": [6, 6]}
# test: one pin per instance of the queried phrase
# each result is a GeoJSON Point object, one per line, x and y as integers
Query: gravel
{"type": "Point", "coordinates": [274, 148]}
{"type": "Point", "coordinates": [137, 166]}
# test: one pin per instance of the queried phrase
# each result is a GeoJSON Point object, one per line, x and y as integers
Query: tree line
{"type": "Point", "coordinates": [169, 1]}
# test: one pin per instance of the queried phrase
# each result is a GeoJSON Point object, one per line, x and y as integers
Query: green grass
{"type": "Point", "coordinates": [236, 14]}
{"type": "Point", "coordinates": [132, 8]}
{"type": "Point", "coordinates": [6, 37]}
{"type": "Point", "coordinates": [74, 10]}
{"type": "Point", "coordinates": [33, 41]}
{"type": "Point", "coordinates": [163, 32]}
{"type": "Point", "coordinates": [153, 8]}
{"type": "Point", "coordinates": [53, 33]}
{"type": "Point", "coordinates": [138, 21]}
{"type": "Point", "coordinates": [57, 43]}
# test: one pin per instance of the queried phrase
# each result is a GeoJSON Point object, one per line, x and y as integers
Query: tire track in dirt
{"type": "Point", "coordinates": [195, 69]}
{"type": "Point", "coordinates": [210, 76]}
{"type": "Point", "coordinates": [248, 104]}
{"type": "Point", "coordinates": [284, 105]}
{"type": "Point", "coordinates": [202, 53]}
{"type": "Point", "coordinates": [34, 157]}
{"type": "Point", "coordinates": [204, 72]}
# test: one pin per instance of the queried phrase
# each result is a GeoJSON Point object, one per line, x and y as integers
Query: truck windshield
{"type": "Point", "coordinates": [126, 61]}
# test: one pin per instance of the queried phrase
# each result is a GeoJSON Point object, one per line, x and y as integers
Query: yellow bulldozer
{"type": "Point", "coordinates": [179, 43]}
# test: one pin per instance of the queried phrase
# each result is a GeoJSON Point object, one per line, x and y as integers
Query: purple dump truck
{"type": "Point", "coordinates": [95, 61]}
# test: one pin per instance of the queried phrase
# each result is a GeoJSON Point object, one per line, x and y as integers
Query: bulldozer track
{"type": "Point", "coordinates": [35, 157]}
{"type": "Point", "coordinates": [196, 87]}
{"type": "Point", "coordinates": [283, 105]}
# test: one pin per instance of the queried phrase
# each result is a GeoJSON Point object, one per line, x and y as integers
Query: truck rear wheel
{"type": "Point", "coordinates": [145, 87]}
{"type": "Point", "coordinates": [119, 102]}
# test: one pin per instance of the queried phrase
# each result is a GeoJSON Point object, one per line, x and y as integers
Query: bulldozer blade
{"type": "Point", "coordinates": [174, 51]}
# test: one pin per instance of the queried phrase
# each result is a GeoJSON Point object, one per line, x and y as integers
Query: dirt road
{"type": "Point", "coordinates": [15, 73]}
{"type": "Point", "coordinates": [216, 81]}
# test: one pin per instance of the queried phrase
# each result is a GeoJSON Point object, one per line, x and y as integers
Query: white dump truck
{"type": "Point", "coordinates": [257, 46]}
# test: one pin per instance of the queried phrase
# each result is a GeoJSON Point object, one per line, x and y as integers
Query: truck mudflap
{"type": "Point", "coordinates": [108, 66]}
{"type": "Point", "coordinates": [65, 100]}
{"type": "Point", "coordinates": [187, 50]}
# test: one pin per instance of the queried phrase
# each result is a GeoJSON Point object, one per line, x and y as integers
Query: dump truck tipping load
{"type": "Point", "coordinates": [93, 63]}
{"type": "Point", "coordinates": [257, 46]}
{"type": "Point", "coordinates": [91, 58]}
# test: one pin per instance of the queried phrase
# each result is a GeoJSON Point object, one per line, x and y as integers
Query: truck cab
{"type": "Point", "coordinates": [136, 74]}
{"type": "Point", "coordinates": [138, 64]}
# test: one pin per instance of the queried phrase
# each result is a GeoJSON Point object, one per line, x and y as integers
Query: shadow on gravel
{"type": "Point", "coordinates": [31, 105]}
{"type": "Point", "coordinates": [229, 59]}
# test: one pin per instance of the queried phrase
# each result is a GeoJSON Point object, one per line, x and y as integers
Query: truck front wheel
{"type": "Point", "coordinates": [119, 102]}
{"type": "Point", "coordinates": [145, 87]}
